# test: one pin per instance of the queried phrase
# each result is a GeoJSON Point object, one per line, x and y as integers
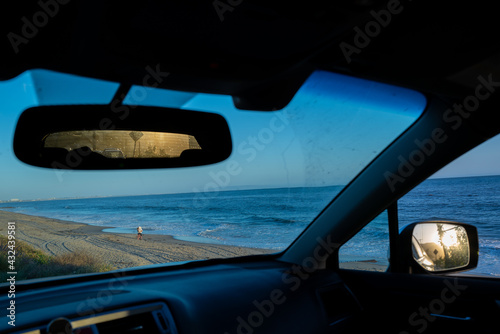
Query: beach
{"type": "Point", "coordinates": [120, 250]}
{"type": "Point", "coordinates": [256, 221]}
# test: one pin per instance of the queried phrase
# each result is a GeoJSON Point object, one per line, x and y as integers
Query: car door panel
{"type": "Point", "coordinates": [409, 303]}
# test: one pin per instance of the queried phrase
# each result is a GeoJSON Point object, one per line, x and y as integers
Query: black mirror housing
{"type": "Point", "coordinates": [96, 137]}
{"type": "Point", "coordinates": [438, 247]}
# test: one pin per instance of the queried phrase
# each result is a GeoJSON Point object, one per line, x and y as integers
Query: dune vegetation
{"type": "Point", "coordinates": [31, 262]}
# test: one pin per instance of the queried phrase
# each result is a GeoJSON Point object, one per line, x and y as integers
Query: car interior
{"type": "Point", "coordinates": [443, 57]}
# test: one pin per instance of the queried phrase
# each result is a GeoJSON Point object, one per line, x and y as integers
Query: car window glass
{"type": "Point", "coordinates": [467, 191]}
{"type": "Point", "coordinates": [368, 249]}
{"type": "Point", "coordinates": [286, 166]}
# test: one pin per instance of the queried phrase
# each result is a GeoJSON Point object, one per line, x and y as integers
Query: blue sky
{"type": "Point", "coordinates": [482, 160]}
{"type": "Point", "coordinates": [286, 148]}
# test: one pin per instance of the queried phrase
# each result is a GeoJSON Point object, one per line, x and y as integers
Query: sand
{"type": "Point", "coordinates": [369, 265]}
{"type": "Point", "coordinates": [119, 250]}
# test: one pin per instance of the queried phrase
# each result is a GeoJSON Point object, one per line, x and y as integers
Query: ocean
{"type": "Point", "coordinates": [273, 218]}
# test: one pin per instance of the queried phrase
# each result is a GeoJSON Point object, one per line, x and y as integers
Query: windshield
{"type": "Point", "coordinates": [286, 166]}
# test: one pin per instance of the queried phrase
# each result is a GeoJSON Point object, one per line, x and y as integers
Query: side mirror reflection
{"type": "Point", "coordinates": [440, 246]}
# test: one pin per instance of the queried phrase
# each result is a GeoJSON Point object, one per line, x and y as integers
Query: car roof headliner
{"type": "Point", "coordinates": [258, 51]}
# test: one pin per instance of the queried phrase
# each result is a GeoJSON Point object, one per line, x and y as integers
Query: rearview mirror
{"type": "Point", "coordinates": [96, 137]}
{"type": "Point", "coordinates": [439, 246]}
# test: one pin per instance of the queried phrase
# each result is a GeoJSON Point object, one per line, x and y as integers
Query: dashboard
{"type": "Point", "coordinates": [260, 296]}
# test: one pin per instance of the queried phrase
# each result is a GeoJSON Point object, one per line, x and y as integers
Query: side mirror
{"type": "Point", "coordinates": [439, 247]}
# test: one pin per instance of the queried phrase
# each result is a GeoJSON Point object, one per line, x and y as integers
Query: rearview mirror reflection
{"type": "Point", "coordinates": [93, 137]}
{"type": "Point", "coordinates": [123, 144]}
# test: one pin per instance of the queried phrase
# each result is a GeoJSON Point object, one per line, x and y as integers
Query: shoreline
{"type": "Point", "coordinates": [120, 250]}
{"type": "Point", "coordinates": [123, 250]}
{"type": "Point", "coordinates": [194, 239]}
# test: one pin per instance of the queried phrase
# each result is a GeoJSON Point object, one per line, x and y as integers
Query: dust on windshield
{"type": "Point", "coordinates": [286, 166]}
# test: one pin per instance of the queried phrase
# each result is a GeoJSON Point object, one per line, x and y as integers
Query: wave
{"type": "Point", "coordinates": [489, 243]}
{"type": "Point", "coordinates": [211, 233]}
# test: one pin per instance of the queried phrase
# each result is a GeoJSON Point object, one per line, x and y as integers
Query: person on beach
{"type": "Point", "coordinates": [139, 233]}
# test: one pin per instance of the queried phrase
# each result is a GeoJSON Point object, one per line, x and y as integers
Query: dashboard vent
{"type": "Point", "coordinates": [144, 319]}
{"type": "Point", "coordinates": [138, 323]}
{"type": "Point", "coordinates": [153, 318]}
